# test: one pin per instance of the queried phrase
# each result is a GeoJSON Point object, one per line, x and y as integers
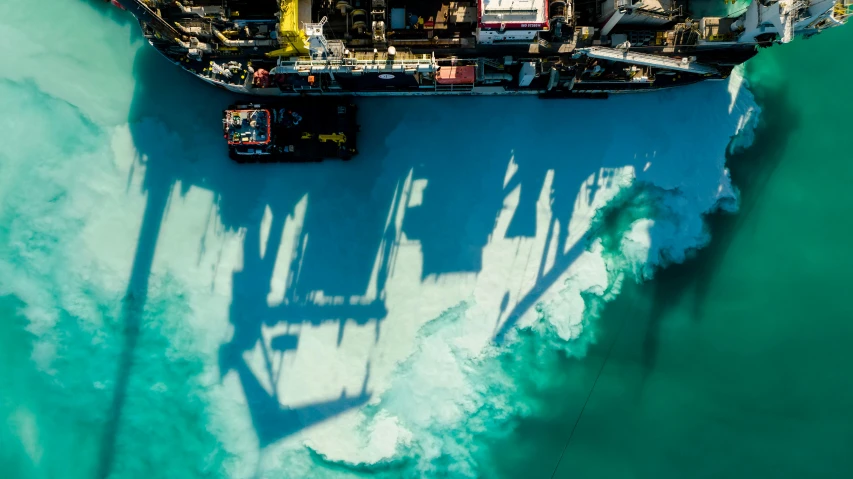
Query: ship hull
{"type": "Point", "coordinates": [589, 91]}
{"type": "Point", "coordinates": [551, 49]}
{"type": "Point", "coordinates": [583, 65]}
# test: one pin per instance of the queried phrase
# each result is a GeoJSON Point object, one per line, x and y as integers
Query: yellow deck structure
{"type": "Point", "coordinates": [291, 36]}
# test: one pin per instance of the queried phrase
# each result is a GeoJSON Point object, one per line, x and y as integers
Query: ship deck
{"type": "Point", "coordinates": [245, 47]}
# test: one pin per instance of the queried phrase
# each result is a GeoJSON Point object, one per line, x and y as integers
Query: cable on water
{"type": "Point", "coordinates": [588, 396]}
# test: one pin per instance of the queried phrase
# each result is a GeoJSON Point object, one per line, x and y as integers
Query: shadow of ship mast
{"type": "Point", "coordinates": [250, 312]}
{"type": "Point", "coordinates": [273, 422]}
{"type": "Point", "coordinates": [159, 88]}
{"type": "Point", "coordinates": [132, 310]}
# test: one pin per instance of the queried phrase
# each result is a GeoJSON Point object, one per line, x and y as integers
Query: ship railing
{"type": "Point", "coordinates": [459, 87]}
{"type": "Point", "coordinates": [453, 61]}
{"type": "Point", "coordinates": [493, 63]}
{"type": "Point", "coordinates": [355, 62]}
{"type": "Point", "coordinates": [307, 66]}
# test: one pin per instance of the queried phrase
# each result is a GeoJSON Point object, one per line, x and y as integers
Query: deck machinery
{"type": "Point", "coordinates": [553, 48]}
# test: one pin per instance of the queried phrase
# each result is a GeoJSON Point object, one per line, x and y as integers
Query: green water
{"type": "Point", "coordinates": [736, 364]}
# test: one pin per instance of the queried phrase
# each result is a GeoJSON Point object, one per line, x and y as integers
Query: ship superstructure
{"type": "Point", "coordinates": [553, 48]}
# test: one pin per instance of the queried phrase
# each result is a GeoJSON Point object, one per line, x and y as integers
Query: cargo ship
{"type": "Point", "coordinates": [296, 130]}
{"type": "Point", "coordinates": [550, 48]}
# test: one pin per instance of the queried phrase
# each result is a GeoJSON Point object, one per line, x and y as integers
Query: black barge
{"type": "Point", "coordinates": [291, 131]}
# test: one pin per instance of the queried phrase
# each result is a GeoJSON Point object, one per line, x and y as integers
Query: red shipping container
{"type": "Point", "coordinates": [455, 75]}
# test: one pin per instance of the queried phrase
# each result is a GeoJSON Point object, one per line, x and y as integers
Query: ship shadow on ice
{"type": "Point", "coordinates": [175, 127]}
{"type": "Point", "coordinates": [321, 241]}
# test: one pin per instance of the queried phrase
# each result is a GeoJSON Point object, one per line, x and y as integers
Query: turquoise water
{"type": "Point", "coordinates": [731, 363]}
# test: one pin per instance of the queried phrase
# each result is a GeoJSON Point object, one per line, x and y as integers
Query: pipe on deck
{"type": "Point", "coordinates": [243, 43]}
